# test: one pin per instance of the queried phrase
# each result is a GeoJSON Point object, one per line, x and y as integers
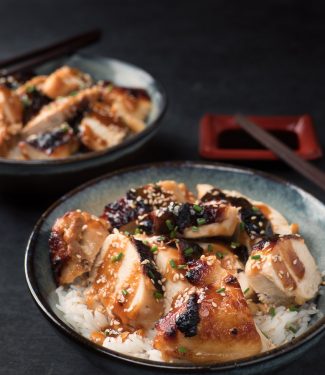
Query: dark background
{"type": "Point", "coordinates": [257, 57]}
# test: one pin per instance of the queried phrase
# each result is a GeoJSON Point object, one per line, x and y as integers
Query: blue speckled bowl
{"type": "Point", "coordinates": [294, 203]}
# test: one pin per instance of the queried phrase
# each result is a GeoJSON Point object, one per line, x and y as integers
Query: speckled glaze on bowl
{"type": "Point", "coordinates": [61, 174]}
{"type": "Point", "coordinates": [294, 203]}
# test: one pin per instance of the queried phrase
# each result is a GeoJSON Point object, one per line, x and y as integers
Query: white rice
{"type": "Point", "coordinates": [279, 329]}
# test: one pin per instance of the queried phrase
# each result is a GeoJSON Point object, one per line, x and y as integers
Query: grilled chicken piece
{"type": "Point", "coordinates": [172, 260]}
{"type": "Point", "coordinates": [126, 283]}
{"type": "Point", "coordinates": [58, 143]}
{"type": "Point", "coordinates": [75, 241]}
{"type": "Point", "coordinates": [30, 85]}
{"type": "Point", "coordinates": [209, 323]}
{"type": "Point", "coordinates": [140, 201]}
{"type": "Point", "coordinates": [277, 221]}
{"type": "Point", "coordinates": [10, 107]}
{"type": "Point", "coordinates": [282, 270]}
{"type": "Point", "coordinates": [195, 221]}
{"type": "Point", "coordinates": [10, 119]}
{"type": "Point", "coordinates": [64, 81]}
{"type": "Point", "coordinates": [61, 110]}
{"type": "Point", "coordinates": [254, 225]}
{"type": "Point", "coordinates": [231, 259]}
{"type": "Point", "coordinates": [101, 129]}
{"type": "Point", "coordinates": [132, 105]}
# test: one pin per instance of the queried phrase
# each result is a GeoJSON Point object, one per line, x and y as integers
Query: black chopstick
{"type": "Point", "coordinates": [312, 173]}
{"type": "Point", "coordinates": [36, 57]}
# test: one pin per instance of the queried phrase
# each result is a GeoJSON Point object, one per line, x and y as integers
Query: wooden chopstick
{"type": "Point", "coordinates": [38, 56]}
{"type": "Point", "coordinates": [303, 167]}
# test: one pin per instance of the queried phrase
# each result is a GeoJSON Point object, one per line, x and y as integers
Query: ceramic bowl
{"type": "Point", "coordinates": [61, 174]}
{"type": "Point", "coordinates": [294, 203]}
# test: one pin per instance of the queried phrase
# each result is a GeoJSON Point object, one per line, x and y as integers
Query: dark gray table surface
{"type": "Point", "coordinates": [257, 57]}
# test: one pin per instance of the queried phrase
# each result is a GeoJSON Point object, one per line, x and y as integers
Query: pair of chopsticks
{"type": "Point", "coordinates": [303, 167]}
{"type": "Point", "coordinates": [39, 56]}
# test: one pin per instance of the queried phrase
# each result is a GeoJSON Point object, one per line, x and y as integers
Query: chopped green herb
{"type": "Point", "coordinates": [26, 102]}
{"type": "Point", "coordinates": [182, 349]}
{"type": "Point", "coordinates": [195, 229]}
{"type": "Point", "coordinates": [256, 257]}
{"type": "Point", "coordinates": [181, 266]}
{"type": "Point", "coordinates": [197, 208]}
{"type": "Point", "coordinates": [219, 255]}
{"type": "Point", "coordinates": [126, 233]}
{"type": "Point", "coordinates": [272, 311]}
{"type": "Point", "coordinates": [293, 308]}
{"type": "Point", "coordinates": [145, 242]}
{"type": "Point", "coordinates": [246, 290]}
{"type": "Point", "coordinates": [172, 234]}
{"type": "Point", "coordinates": [172, 263]}
{"type": "Point", "coordinates": [254, 208]}
{"type": "Point", "coordinates": [73, 93]}
{"type": "Point", "coordinates": [210, 248]}
{"type": "Point", "coordinates": [117, 258]}
{"type": "Point", "coordinates": [234, 245]}
{"type": "Point", "coordinates": [221, 290]}
{"type": "Point", "coordinates": [125, 292]}
{"type": "Point", "coordinates": [64, 127]}
{"type": "Point", "coordinates": [188, 251]}
{"type": "Point", "coordinates": [158, 295]}
{"type": "Point", "coordinates": [169, 224]}
{"type": "Point", "coordinates": [161, 238]}
{"type": "Point", "coordinates": [242, 226]}
{"type": "Point", "coordinates": [292, 329]}
{"type": "Point", "coordinates": [137, 231]}
{"type": "Point", "coordinates": [150, 273]}
{"type": "Point", "coordinates": [154, 248]}
{"type": "Point", "coordinates": [30, 89]}
{"type": "Point", "coordinates": [201, 221]}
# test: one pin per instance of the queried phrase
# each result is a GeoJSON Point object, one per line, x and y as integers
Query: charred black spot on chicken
{"type": "Point", "coordinates": [48, 141]}
{"type": "Point", "coordinates": [149, 267]}
{"type": "Point", "coordinates": [188, 320]}
{"type": "Point", "coordinates": [254, 222]}
{"type": "Point", "coordinates": [195, 273]}
{"type": "Point", "coordinates": [33, 101]}
{"type": "Point", "coordinates": [58, 253]}
{"type": "Point", "coordinates": [177, 217]}
{"type": "Point", "coordinates": [189, 250]}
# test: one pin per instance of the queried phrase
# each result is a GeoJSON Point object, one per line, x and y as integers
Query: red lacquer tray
{"type": "Point", "coordinates": [222, 138]}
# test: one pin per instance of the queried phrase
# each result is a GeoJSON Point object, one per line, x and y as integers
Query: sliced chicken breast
{"type": "Point", "coordinates": [209, 324]}
{"type": "Point", "coordinates": [195, 221]}
{"type": "Point", "coordinates": [75, 241]}
{"type": "Point", "coordinates": [64, 81]}
{"type": "Point", "coordinates": [101, 129]}
{"type": "Point", "coordinates": [11, 110]}
{"type": "Point", "coordinates": [58, 143]}
{"type": "Point", "coordinates": [61, 110]}
{"type": "Point", "coordinates": [132, 105]}
{"type": "Point", "coordinates": [232, 258]}
{"type": "Point", "coordinates": [126, 283]}
{"type": "Point", "coordinates": [283, 271]}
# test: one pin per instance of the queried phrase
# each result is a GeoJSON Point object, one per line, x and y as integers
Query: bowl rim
{"type": "Point", "coordinates": [316, 330]}
{"type": "Point", "coordinates": [93, 155]}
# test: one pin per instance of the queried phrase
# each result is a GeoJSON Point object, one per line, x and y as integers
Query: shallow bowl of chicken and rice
{"type": "Point", "coordinates": [183, 267]}
{"type": "Point", "coordinates": [72, 115]}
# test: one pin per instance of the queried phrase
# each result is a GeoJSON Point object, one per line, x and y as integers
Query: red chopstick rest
{"type": "Point", "coordinates": [221, 138]}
